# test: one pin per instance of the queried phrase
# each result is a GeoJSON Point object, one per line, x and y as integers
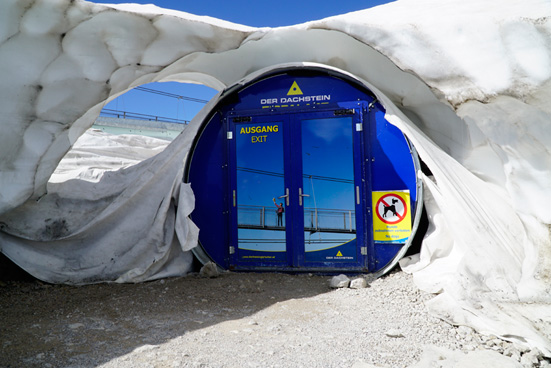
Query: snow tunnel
{"type": "Point", "coordinates": [297, 169]}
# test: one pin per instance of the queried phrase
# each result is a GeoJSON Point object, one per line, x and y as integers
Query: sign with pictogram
{"type": "Point", "coordinates": [294, 90]}
{"type": "Point", "coordinates": [392, 218]}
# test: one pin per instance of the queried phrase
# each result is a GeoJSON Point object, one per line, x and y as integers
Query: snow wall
{"type": "Point", "coordinates": [468, 81]}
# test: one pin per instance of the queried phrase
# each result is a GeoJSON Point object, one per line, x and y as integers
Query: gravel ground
{"type": "Point", "coordinates": [234, 320]}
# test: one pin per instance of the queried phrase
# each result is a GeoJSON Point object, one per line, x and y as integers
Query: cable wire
{"type": "Point", "coordinates": [168, 94]}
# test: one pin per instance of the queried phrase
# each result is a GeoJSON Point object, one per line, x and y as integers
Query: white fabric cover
{"type": "Point", "coordinates": [468, 81]}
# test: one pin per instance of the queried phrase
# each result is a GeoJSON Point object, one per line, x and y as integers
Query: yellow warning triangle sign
{"type": "Point", "coordinates": [339, 254]}
{"type": "Point", "coordinates": [294, 90]}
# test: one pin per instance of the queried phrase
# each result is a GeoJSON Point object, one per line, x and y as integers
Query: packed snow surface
{"type": "Point", "coordinates": [469, 83]}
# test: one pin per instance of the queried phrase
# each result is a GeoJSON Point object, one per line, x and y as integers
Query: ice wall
{"type": "Point", "coordinates": [468, 81]}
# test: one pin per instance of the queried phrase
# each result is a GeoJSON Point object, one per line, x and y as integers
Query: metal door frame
{"type": "Point", "coordinates": [292, 156]}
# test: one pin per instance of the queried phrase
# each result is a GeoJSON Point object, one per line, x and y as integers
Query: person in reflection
{"type": "Point", "coordinates": [279, 212]}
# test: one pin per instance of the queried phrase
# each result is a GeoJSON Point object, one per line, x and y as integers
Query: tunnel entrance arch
{"type": "Point", "coordinates": [297, 170]}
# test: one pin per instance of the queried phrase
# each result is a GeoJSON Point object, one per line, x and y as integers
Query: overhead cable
{"type": "Point", "coordinates": [168, 94]}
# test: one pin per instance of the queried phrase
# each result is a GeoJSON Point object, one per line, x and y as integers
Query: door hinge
{"type": "Point", "coordinates": [372, 104]}
{"type": "Point", "coordinates": [359, 127]}
{"type": "Point", "coordinates": [230, 135]}
{"type": "Point", "coordinates": [232, 249]}
{"type": "Point", "coordinates": [364, 251]}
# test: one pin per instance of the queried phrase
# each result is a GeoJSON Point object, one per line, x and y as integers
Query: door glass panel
{"type": "Point", "coordinates": [328, 182]}
{"type": "Point", "coordinates": [260, 181]}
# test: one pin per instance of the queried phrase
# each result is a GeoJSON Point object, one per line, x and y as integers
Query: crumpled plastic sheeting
{"type": "Point", "coordinates": [96, 152]}
{"type": "Point", "coordinates": [129, 225]}
{"type": "Point", "coordinates": [480, 254]}
{"type": "Point", "coordinates": [474, 102]}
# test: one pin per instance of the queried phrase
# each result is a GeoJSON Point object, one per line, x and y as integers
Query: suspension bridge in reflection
{"type": "Point", "coordinates": [315, 219]}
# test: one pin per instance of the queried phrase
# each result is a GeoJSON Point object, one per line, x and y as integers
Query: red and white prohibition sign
{"type": "Point", "coordinates": [391, 209]}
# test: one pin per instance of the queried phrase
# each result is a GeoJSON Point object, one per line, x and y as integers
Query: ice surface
{"type": "Point", "coordinates": [468, 81]}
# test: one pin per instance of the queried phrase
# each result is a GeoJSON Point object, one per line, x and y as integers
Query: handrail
{"type": "Point", "coordinates": [315, 219]}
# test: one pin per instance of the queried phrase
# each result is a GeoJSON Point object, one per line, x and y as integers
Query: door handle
{"type": "Point", "coordinates": [286, 196]}
{"type": "Point", "coordinates": [300, 195]}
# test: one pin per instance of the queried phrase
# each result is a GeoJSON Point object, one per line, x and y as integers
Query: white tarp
{"type": "Point", "coordinates": [468, 81]}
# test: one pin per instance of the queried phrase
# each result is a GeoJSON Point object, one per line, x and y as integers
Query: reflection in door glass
{"type": "Point", "coordinates": [328, 182]}
{"type": "Point", "coordinates": [259, 161]}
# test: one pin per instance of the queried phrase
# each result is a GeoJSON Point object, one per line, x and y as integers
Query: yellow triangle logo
{"type": "Point", "coordinates": [339, 254]}
{"type": "Point", "coordinates": [294, 90]}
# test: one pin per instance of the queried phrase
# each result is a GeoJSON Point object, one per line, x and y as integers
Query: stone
{"type": "Point", "coordinates": [359, 283]}
{"type": "Point", "coordinates": [210, 269]}
{"type": "Point", "coordinates": [531, 358]}
{"type": "Point", "coordinates": [340, 281]}
{"type": "Point", "coordinates": [522, 348]}
{"type": "Point", "coordinates": [513, 353]}
{"type": "Point", "coordinates": [394, 333]}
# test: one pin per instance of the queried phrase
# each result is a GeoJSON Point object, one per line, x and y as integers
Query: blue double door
{"type": "Point", "coordinates": [298, 190]}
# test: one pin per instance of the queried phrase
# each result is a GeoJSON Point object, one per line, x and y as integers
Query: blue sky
{"type": "Point", "coordinates": [250, 13]}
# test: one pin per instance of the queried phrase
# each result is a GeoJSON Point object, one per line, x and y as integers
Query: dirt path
{"type": "Point", "coordinates": [235, 320]}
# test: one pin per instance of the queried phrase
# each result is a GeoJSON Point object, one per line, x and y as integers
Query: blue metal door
{"type": "Point", "coordinates": [297, 185]}
{"type": "Point", "coordinates": [330, 191]}
{"type": "Point", "coordinates": [258, 182]}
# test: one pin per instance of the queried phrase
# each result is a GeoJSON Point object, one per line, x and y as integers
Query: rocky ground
{"type": "Point", "coordinates": [238, 320]}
